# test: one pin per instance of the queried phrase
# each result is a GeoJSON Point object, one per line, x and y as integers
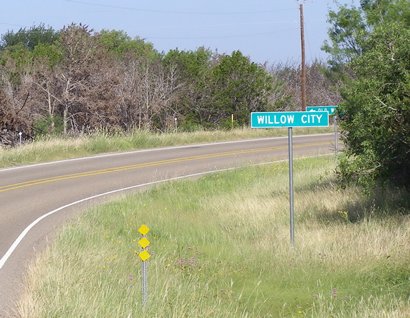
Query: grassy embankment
{"type": "Point", "coordinates": [220, 248]}
{"type": "Point", "coordinates": [57, 148]}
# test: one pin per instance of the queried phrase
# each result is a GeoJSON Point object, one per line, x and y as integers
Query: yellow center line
{"type": "Point", "coordinates": [30, 183]}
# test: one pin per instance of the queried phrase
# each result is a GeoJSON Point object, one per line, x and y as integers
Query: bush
{"type": "Point", "coordinates": [49, 126]}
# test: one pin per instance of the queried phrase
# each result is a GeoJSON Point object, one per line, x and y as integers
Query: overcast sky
{"type": "Point", "coordinates": [261, 29]}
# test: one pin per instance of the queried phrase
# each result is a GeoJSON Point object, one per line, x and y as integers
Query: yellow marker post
{"type": "Point", "coordinates": [144, 255]}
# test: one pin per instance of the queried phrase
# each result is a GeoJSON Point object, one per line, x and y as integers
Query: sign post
{"type": "Point", "coordinates": [291, 196]}
{"type": "Point", "coordinates": [336, 136]}
{"type": "Point", "coordinates": [144, 256]}
{"type": "Point", "coordinates": [290, 120]}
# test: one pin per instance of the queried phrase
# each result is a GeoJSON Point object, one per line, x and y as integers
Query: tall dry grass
{"type": "Point", "coordinates": [220, 248]}
{"type": "Point", "coordinates": [58, 148]}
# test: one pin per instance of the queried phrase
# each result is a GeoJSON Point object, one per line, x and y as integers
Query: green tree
{"type": "Point", "coordinates": [193, 71]}
{"type": "Point", "coordinates": [29, 38]}
{"type": "Point", "coordinates": [350, 27]}
{"type": "Point", "coordinates": [121, 44]}
{"type": "Point", "coordinates": [213, 87]}
{"type": "Point", "coordinates": [375, 112]}
{"type": "Point", "coordinates": [15, 90]}
{"type": "Point", "coordinates": [240, 87]}
{"type": "Point", "coordinates": [27, 58]}
{"type": "Point", "coordinates": [46, 59]}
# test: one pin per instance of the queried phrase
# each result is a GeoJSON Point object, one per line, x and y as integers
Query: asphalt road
{"type": "Point", "coordinates": [53, 190]}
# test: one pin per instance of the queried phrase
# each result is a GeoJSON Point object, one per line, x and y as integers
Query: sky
{"type": "Point", "coordinates": [264, 30]}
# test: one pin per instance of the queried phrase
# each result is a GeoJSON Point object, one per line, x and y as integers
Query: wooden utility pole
{"type": "Point", "coordinates": [303, 66]}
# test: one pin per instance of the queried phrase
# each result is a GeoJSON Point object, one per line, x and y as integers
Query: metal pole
{"type": "Point", "coordinates": [292, 214]}
{"type": "Point", "coordinates": [303, 68]}
{"type": "Point", "coordinates": [144, 284]}
{"type": "Point", "coordinates": [336, 136]}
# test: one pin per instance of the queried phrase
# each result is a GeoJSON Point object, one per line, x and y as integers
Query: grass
{"type": "Point", "coordinates": [57, 148]}
{"type": "Point", "coordinates": [220, 248]}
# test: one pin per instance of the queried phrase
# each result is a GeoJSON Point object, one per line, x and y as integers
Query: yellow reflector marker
{"type": "Point", "coordinates": [144, 242]}
{"type": "Point", "coordinates": [144, 255]}
{"type": "Point", "coordinates": [143, 229]}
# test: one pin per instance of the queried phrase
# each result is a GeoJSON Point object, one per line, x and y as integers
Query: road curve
{"type": "Point", "coordinates": [37, 199]}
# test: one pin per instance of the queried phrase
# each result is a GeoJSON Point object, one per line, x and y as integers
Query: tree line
{"type": "Point", "coordinates": [76, 80]}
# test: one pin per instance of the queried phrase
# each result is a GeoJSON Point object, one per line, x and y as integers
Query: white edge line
{"type": "Point", "coordinates": [113, 154]}
{"type": "Point", "coordinates": [20, 238]}
{"type": "Point", "coordinates": [16, 243]}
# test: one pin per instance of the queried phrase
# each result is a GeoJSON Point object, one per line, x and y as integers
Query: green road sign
{"type": "Point", "coordinates": [330, 109]}
{"type": "Point", "coordinates": [289, 119]}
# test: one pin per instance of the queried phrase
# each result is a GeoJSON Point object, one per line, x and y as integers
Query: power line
{"type": "Point", "coordinates": [213, 37]}
{"type": "Point", "coordinates": [96, 4]}
{"type": "Point", "coordinates": [209, 26]}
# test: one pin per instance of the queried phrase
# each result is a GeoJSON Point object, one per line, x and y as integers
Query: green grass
{"type": "Point", "coordinates": [220, 248]}
{"type": "Point", "coordinates": [54, 148]}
